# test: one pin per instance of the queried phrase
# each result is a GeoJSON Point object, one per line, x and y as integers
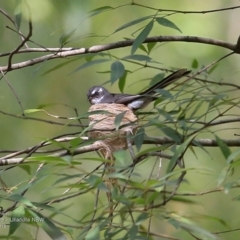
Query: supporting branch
{"type": "Point", "coordinates": [120, 44]}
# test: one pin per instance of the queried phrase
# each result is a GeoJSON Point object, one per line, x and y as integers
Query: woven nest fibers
{"type": "Point", "coordinates": [103, 124]}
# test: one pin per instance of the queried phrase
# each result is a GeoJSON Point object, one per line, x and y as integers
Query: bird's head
{"type": "Point", "coordinates": [96, 94]}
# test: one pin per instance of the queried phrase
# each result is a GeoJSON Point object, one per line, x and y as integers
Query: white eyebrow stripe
{"type": "Point", "coordinates": [94, 91]}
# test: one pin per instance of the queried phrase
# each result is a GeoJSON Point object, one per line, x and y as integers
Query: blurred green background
{"type": "Point", "coordinates": [65, 86]}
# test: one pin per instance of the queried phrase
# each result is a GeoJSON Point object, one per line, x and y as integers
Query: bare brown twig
{"type": "Point", "coordinates": [9, 67]}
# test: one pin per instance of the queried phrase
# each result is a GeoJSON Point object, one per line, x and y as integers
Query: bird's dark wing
{"type": "Point", "coordinates": [124, 98]}
{"type": "Point", "coordinates": [148, 94]}
{"type": "Point", "coordinates": [166, 81]}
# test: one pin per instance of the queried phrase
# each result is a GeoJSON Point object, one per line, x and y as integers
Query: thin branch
{"type": "Point", "coordinates": [20, 46]}
{"type": "Point", "coordinates": [196, 142]}
{"type": "Point", "coordinates": [15, 94]}
{"type": "Point", "coordinates": [15, 25]}
{"type": "Point", "coordinates": [93, 147]}
{"type": "Point", "coordinates": [186, 12]}
{"type": "Point", "coordinates": [120, 44]}
{"type": "Point", "coordinates": [9, 160]}
{"type": "Point", "coordinates": [35, 50]}
{"type": "Point", "coordinates": [48, 142]}
{"type": "Point", "coordinates": [214, 123]}
{"type": "Point", "coordinates": [41, 120]}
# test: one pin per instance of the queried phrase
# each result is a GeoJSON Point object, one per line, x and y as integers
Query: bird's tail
{"type": "Point", "coordinates": [166, 81]}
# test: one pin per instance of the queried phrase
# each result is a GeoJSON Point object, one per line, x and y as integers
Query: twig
{"type": "Point", "coordinates": [120, 44]}
{"type": "Point", "coordinates": [41, 120]}
{"type": "Point", "coordinates": [187, 12]}
{"type": "Point", "coordinates": [15, 25]}
{"type": "Point", "coordinates": [15, 94]}
{"type": "Point", "coordinates": [20, 46]}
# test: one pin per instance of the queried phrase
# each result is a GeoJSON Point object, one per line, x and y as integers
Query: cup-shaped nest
{"type": "Point", "coordinates": [103, 125]}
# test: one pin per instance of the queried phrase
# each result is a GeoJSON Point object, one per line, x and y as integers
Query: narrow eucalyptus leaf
{"type": "Point", "coordinates": [136, 21]}
{"type": "Point", "coordinates": [122, 81]}
{"type": "Point", "coordinates": [195, 63]}
{"type": "Point", "coordinates": [139, 138]}
{"type": "Point", "coordinates": [178, 153]}
{"type": "Point", "coordinates": [117, 71]}
{"type": "Point", "coordinates": [93, 233]}
{"type": "Point", "coordinates": [91, 63]}
{"type": "Point", "coordinates": [18, 15]}
{"type": "Point", "coordinates": [167, 23]}
{"type": "Point", "coordinates": [138, 57]}
{"type": "Point", "coordinates": [65, 37]}
{"type": "Point", "coordinates": [223, 147]}
{"type": "Point", "coordinates": [172, 133]}
{"type": "Point", "coordinates": [118, 119]}
{"type": "Point", "coordinates": [97, 11]}
{"type": "Point", "coordinates": [17, 213]}
{"type": "Point", "coordinates": [150, 46]}
{"type": "Point", "coordinates": [141, 37]}
{"type": "Point", "coordinates": [49, 227]}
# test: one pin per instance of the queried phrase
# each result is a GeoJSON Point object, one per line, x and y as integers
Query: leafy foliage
{"type": "Point", "coordinates": [62, 184]}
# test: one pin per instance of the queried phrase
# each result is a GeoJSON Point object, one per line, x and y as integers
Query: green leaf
{"type": "Point", "coordinates": [150, 46]}
{"type": "Point", "coordinates": [132, 232]}
{"type": "Point", "coordinates": [166, 23]}
{"type": "Point", "coordinates": [97, 182]}
{"type": "Point", "coordinates": [138, 57]}
{"type": "Point", "coordinates": [89, 64]}
{"type": "Point", "coordinates": [122, 81]}
{"type": "Point", "coordinates": [223, 147]}
{"type": "Point", "coordinates": [118, 119]}
{"type": "Point", "coordinates": [49, 227]}
{"type": "Point", "coordinates": [141, 37]}
{"type": "Point", "coordinates": [17, 213]}
{"type": "Point", "coordinates": [212, 68]}
{"type": "Point", "coordinates": [178, 154]}
{"type": "Point", "coordinates": [89, 57]}
{"type": "Point", "coordinates": [195, 63]}
{"type": "Point", "coordinates": [197, 107]}
{"type": "Point", "coordinates": [172, 133]}
{"type": "Point", "coordinates": [59, 66]}
{"type": "Point", "coordinates": [139, 138]}
{"type": "Point", "coordinates": [149, 150]}
{"type": "Point", "coordinates": [117, 71]}
{"type": "Point", "coordinates": [157, 78]}
{"type": "Point", "coordinates": [66, 177]}
{"type": "Point", "coordinates": [117, 175]}
{"type": "Point", "coordinates": [18, 15]}
{"type": "Point", "coordinates": [121, 158]}
{"type": "Point", "coordinates": [97, 11]}
{"type": "Point", "coordinates": [75, 142]}
{"type": "Point", "coordinates": [20, 198]}
{"type": "Point", "coordinates": [47, 159]}
{"type": "Point", "coordinates": [141, 218]}
{"type": "Point", "coordinates": [64, 38]}
{"type": "Point", "coordinates": [223, 175]}
{"type": "Point", "coordinates": [214, 100]}
{"type": "Point", "coordinates": [25, 167]}
{"type": "Point", "coordinates": [191, 227]}
{"type": "Point", "coordinates": [93, 233]}
{"type": "Point", "coordinates": [232, 156]}
{"type": "Point", "coordinates": [33, 110]}
{"type": "Point", "coordinates": [142, 47]}
{"type": "Point", "coordinates": [136, 21]}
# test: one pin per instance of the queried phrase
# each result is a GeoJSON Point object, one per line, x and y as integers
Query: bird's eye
{"type": "Point", "coordinates": [97, 92]}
